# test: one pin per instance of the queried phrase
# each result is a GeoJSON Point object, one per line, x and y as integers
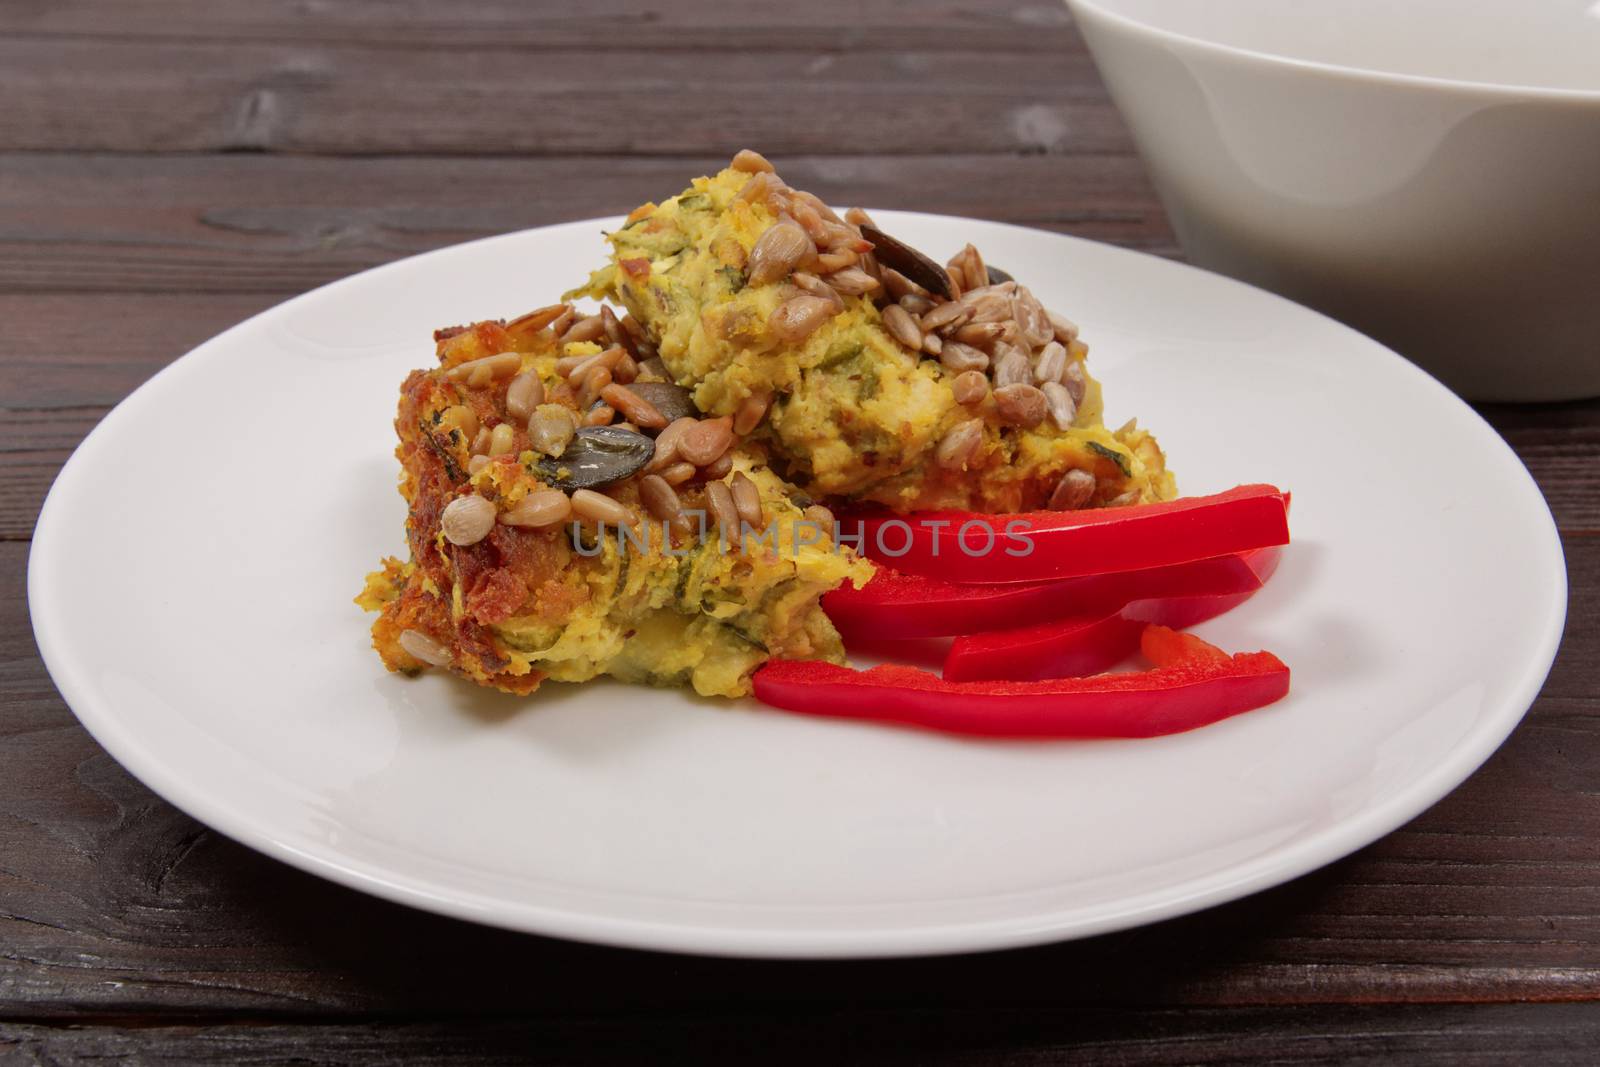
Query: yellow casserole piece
{"type": "Point", "coordinates": [852, 412]}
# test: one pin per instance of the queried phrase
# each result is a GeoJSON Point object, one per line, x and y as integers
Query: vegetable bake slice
{"type": "Point", "coordinates": [873, 373]}
{"type": "Point", "coordinates": [546, 542]}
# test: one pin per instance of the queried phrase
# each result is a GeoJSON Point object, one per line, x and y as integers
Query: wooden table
{"type": "Point", "coordinates": [167, 168]}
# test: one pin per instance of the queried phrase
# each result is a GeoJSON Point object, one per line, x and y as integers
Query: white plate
{"type": "Point", "coordinates": [192, 571]}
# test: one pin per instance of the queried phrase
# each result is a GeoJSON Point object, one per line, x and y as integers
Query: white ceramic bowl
{"type": "Point", "coordinates": [1426, 170]}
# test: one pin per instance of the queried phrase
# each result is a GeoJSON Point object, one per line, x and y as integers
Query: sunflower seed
{"type": "Point", "coordinates": [540, 508]}
{"type": "Point", "coordinates": [666, 446]}
{"type": "Point", "coordinates": [719, 498]}
{"type": "Point", "coordinates": [525, 393]}
{"type": "Point", "coordinates": [1032, 321]}
{"type": "Point", "coordinates": [704, 442]}
{"type": "Point", "coordinates": [799, 317]}
{"type": "Point", "coordinates": [659, 498]}
{"type": "Point", "coordinates": [672, 400]}
{"type": "Point", "coordinates": [718, 468]}
{"type": "Point", "coordinates": [959, 444]}
{"type": "Point", "coordinates": [1010, 367]}
{"type": "Point", "coordinates": [973, 271]}
{"type": "Point", "coordinates": [959, 357]}
{"type": "Point", "coordinates": [591, 385]}
{"type": "Point", "coordinates": [828, 262]}
{"type": "Point", "coordinates": [1063, 409]}
{"type": "Point", "coordinates": [750, 413]}
{"type": "Point", "coordinates": [420, 646]}
{"type": "Point", "coordinates": [853, 281]}
{"type": "Point", "coordinates": [897, 320]}
{"type": "Point", "coordinates": [747, 500]}
{"type": "Point", "coordinates": [597, 507]}
{"type": "Point", "coordinates": [760, 188]}
{"type": "Point", "coordinates": [970, 386]}
{"type": "Point", "coordinates": [1050, 363]}
{"type": "Point", "coordinates": [590, 328]}
{"type": "Point", "coordinates": [1021, 405]}
{"type": "Point", "coordinates": [677, 473]}
{"type": "Point", "coordinates": [634, 407]}
{"type": "Point", "coordinates": [988, 306]}
{"type": "Point", "coordinates": [810, 283]}
{"type": "Point", "coordinates": [478, 372]}
{"type": "Point", "coordinates": [946, 316]}
{"type": "Point", "coordinates": [536, 320]}
{"type": "Point", "coordinates": [1076, 379]}
{"type": "Point", "coordinates": [1064, 329]}
{"type": "Point", "coordinates": [980, 334]}
{"type": "Point", "coordinates": [751, 162]}
{"type": "Point", "coordinates": [1072, 491]}
{"type": "Point", "coordinates": [776, 252]}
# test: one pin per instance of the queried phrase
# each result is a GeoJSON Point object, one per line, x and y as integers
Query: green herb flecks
{"type": "Point", "coordinates": [842, 352]}
{"type": "Point", "coordinates": [1114, 456]}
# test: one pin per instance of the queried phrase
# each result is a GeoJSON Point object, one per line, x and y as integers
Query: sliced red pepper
{"type": "Point", "coordinates": [1092, 641]}
{"type": "Point", "coordinates": [1065, 648]}
{"type": "Point", "coordinates": [895, 606]}
{"type": "Point", "coordinates": [1192, 684]}
{"type": "Point", "coordinates": [966, 547]}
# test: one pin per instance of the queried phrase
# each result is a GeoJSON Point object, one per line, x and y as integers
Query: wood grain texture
{"type": "Point", "coordinates": [967, 1036]}
{"type": "Point", "coordinates": [1040, 26]}
{"type": "Point", "coordinates": [169, 167]}
{"type": "Point", "coordinates": [358, 99]}
{"type": "Point", "coordinates": [250, 223]}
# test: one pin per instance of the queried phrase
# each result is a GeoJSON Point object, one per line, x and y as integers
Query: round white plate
{"type": "Point", "coordinates": [192, 575]}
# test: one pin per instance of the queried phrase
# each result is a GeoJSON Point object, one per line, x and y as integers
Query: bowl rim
{"type": "Point", "coordinates": [1498, 89]}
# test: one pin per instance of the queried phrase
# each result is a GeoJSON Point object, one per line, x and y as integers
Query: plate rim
{"type": "Point", "coordinates": [1274, 867]}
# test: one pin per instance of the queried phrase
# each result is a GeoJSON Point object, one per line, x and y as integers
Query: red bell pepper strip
{"type": "Point", "coordinates": [962, 546]}
{"type": "Point", "coordinates": [1065, 648]}
{"type": "Point", "coordinates": [1192, 684]}
{"type": "Point", "coordinates": [1090, 642]}
{"type": "Point", "coordinates": [896, 606]}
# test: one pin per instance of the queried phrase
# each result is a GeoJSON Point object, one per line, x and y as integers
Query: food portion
{"type": "Point", "coordinates": [651, 495]}
{"type": "Point", "coordinates": [557, 517]}
{"type": "Point", "coordinates": [900, 606]}
{"type": "Point", "coordinates": [1089, 641]}
{"type": "Point", "coordinates": [990, 549]}
{"type": "Point", "coordinates": [872, 373]}
{"type": "Point", "coordinates": [1191, 683]}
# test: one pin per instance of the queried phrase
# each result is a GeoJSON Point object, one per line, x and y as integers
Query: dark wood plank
{"type": "Point", "coordinates": [1446, 1036]}
{"type": "Point", "coordinates": [112, 902]}
{"type": "Point", "coordinates": [88, 351]}
{"type": "Point", "coordinates": [251, 223]}
{"type": "Point", "coordinates": [64, 360]}
{"type": "Point", "coordinates": [490, 26]}
{"type": "Point", "coordinates": [1560, 444]}
{"type": "Point", "coordinates": [104, 95]}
